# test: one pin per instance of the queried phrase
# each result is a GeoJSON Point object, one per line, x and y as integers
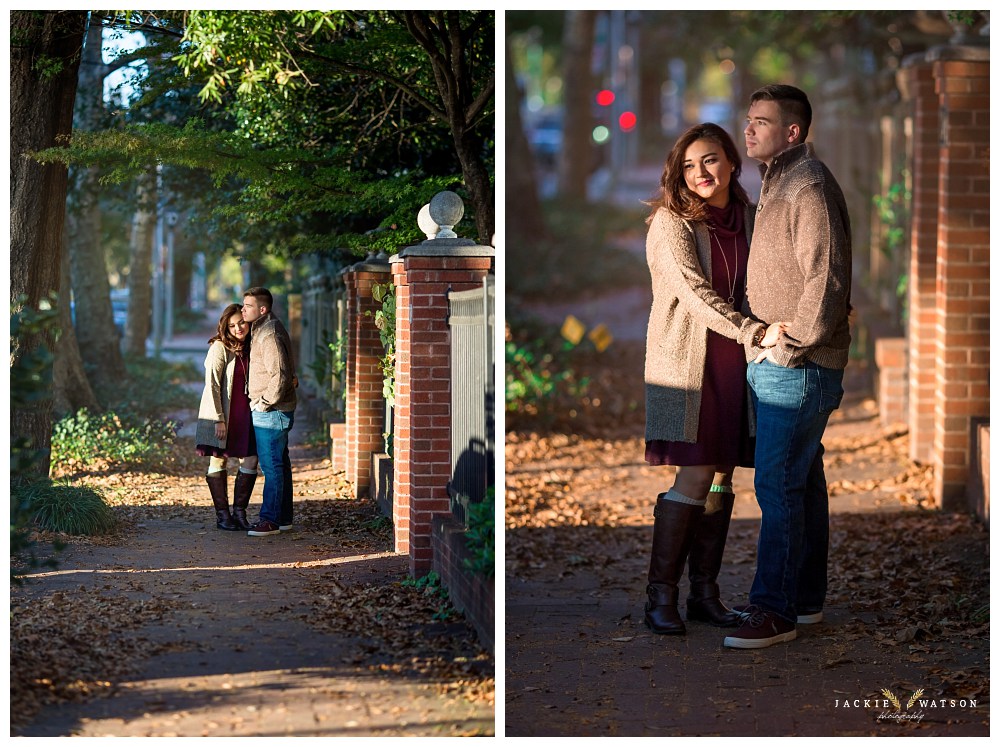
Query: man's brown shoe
{"type": "Point", "coordinates": [263, 529]}
{"type": "Point", "coordinates": [761, 629]}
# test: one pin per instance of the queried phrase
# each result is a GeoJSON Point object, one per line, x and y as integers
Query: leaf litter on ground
{"type": "Point", "coordinates": [59, 655]}
{"type": "Point", "coordinates": [915, 579]}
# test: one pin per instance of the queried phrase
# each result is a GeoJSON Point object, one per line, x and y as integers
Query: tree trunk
{"type": "Point", "coordinates": [477, 180]}
{"type": "Point", "coordinates": [442, 39]}
{"type": "Point", "coordinates": [140, 295]}
{"type": "Point", "coordinates": [71, 389]}
{"type": "Point", "coordinates": [576, 157]}
{"type": "Point", "coordinates": [44, 59]}
{"type": "Point", "coordinates": [95, 325]}
{"type": "Point", "coordinates": [524, 212]}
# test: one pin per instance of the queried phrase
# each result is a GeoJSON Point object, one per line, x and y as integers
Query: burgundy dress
{"type": "Point", "coordinates": [240, 441]}
{"type": "Point", "coordinates": [723, 425]}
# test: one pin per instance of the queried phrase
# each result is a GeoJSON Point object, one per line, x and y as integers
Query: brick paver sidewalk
{"type": "Point", "coordinates": [580, 662]}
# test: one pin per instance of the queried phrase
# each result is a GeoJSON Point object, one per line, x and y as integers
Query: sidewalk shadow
{"type": "Point", "coordinates": [577, 647]}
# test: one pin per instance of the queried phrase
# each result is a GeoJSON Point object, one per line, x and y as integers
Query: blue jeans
{"type": "Point", "coordinates": [792, 407]}
{"type": "Point", "coordinates": [271, 430]}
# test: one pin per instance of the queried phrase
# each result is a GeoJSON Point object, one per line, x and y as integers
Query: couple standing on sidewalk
{"type": "Point", "coordinates": [247, 410]}
{"type": "Point", "coordinates": [745, 296]}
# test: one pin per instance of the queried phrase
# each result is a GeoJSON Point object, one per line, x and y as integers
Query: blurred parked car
{"type": "Point", "coordinates": [545, 137]}
{"type": "Point", "coordinates": [119, 308]}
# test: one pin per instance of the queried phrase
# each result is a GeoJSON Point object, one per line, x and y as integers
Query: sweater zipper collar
{"type": "Point", "coordinates": [778, 164]}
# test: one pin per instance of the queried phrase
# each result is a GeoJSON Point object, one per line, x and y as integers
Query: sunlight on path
{"type": "Point", "coordinates": [259, 566]}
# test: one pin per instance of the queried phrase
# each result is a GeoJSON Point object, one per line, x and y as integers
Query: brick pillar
{"type": "Point", "coordinates": [890, 360]}
{"type": "Point", "coordinates": [338, 447]}
{"type": "Point", "coordinates": [916, 80]}
{"type": "Point", "coordinates": [365, 406]}
{"type": "Point", "coordinates": [963, 265]}
{"type": "Point", "coordinates": [423, 274]}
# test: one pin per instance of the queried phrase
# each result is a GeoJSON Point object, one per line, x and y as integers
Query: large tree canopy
{"type": "Point", "coordinates": [326, 124]}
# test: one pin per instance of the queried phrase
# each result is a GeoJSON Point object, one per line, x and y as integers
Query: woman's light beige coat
{"type": "Point", "coordinates": [685, 307]}
{"type": "Point", "coordinates": [220, 364]}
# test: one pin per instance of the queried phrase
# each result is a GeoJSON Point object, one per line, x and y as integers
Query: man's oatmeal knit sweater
{"type": "Point", "coordinates": [272, 368]}
{"type": "Point", "coordinates": [799, 270]}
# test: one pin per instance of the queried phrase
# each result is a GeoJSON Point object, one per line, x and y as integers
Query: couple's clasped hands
{"type": "Point", "coordinates": [770, 340]}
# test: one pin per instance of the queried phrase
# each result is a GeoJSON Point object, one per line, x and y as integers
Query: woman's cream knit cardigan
{"type": "Point", "coordinates": [685, 307]}
{"type": "Point", "coordinates": [220, 365]}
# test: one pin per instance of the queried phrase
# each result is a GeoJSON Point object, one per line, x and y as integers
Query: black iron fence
{"type": "Point", "coordinates": [324, 335]}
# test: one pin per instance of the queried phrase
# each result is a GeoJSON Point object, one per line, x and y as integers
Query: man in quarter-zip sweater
{"type": "Point", "coordinates": [799, 272]}
{"type": "Point", "coordinates": [271, 388]}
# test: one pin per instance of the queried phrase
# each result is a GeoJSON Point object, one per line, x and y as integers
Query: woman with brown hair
{"type": "Point", "coordinates": [697, 410]}
{"type": "Point", "coordinates": [224, 425]}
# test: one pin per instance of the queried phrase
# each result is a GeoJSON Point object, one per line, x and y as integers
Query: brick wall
{"type": "Point", "coordinates": [422, 434]}
{"type": "Point", "coordinates": [365, 406]}
{"type": "Point", "coordinates": [469, 593]}
{"type": "Point", "coordinates": [963, 246]}
{"type": "Point", "coordinates": [890, 359]}
{"type": "Point", "coordinates": [917, 81]}
{"type": "Point", "coordinates": [338, 447]}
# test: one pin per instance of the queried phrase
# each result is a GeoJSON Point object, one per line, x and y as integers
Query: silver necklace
{"type": "Point", "coordinates": [736, 260]}
{"type": "Point", "coordinates": [246, 373]}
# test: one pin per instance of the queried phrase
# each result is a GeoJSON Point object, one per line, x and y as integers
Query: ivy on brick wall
{"type": "Point", "coordinates": [385, 321]}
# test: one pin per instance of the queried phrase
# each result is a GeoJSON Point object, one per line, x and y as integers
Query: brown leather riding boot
{"type": "Point", "coordinates": [220, 499]}
{"type": "Point", "coordinates": [673, 526]}
{"type": "Point", "coordinates": [705, 562]}
{"type": "Point", "coordinates": [241, 498]}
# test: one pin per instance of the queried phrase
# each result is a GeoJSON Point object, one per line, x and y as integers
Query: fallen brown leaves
{"type": "Point", "coordinates": [911, 577]}
{"type": "Point", "coordinates": [69, 645]}
{"type": "Point", "coordinates": [406, 630]}
{"type": "Point", "coordinates": [73, 645]}
{"type": "Point", "coordinates": [612, 405]}
{"type": "Point", "coordinates": [914, 580]}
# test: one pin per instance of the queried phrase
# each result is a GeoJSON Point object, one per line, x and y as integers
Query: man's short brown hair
{"type": "Point", "coordinates": [263, 296]}
{"type": "Point", "coordinates": [793, 103]}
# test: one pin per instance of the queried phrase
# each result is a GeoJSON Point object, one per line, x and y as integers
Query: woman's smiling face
{"type": "Point", "coordinates": [237, 327]}
{"type": "Point", "coordinates": [707, 172]}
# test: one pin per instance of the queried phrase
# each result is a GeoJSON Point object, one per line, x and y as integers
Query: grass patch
{"type": "Point", "coordinates": [579, 255]}
{"type": "Point", "coordinates": [70, 509]}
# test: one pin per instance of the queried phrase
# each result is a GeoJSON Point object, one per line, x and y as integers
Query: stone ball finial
{"type": "Point", "coordinates": [446, 209]}
{"type": "Point", "coordinates": [426, 222]}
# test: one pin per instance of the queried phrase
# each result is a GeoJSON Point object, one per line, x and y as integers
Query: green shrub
{"type": "Point", "coordinates": [432, 587]}
{"type": "Point", "coordinates": [84, 437]}
{"type": "Point", "coordinates": [154, 386]}
{"type": "Point", "coordinates": [480, 536]}
{"type": "Point", "coordinates": [539, 373]}
{"type": "Point", "coordinates": [68, 508]}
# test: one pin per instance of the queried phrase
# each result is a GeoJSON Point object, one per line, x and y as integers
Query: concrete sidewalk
{"type": "Point", "coordinates": [236, 648]}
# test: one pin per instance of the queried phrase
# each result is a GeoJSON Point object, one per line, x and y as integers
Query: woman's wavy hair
{"type": "Point", "coordinates": [674, 194]}
{"type": "Point", "coordinates": [225, 336]}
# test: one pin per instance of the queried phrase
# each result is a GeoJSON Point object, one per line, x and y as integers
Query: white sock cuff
{"type": "Point", "coordinates": [673, 495]}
